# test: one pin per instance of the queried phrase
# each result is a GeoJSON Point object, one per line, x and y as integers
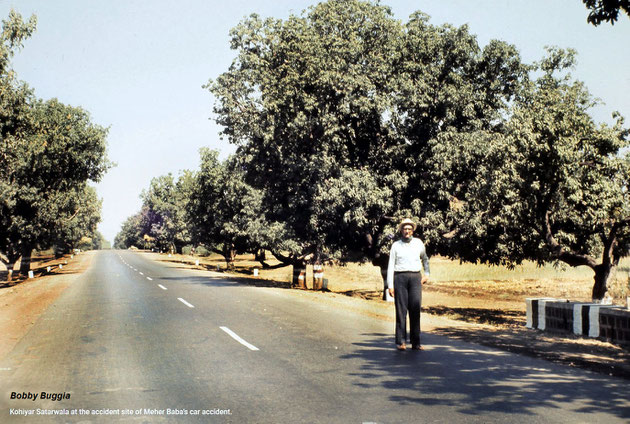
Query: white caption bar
{"type": "Point", "coordinates": [238, 339]}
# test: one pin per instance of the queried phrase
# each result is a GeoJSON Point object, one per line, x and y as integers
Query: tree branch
{"type": "Point", "coordinates": [610, 241]}
{"type": "Point", "coordinates": [72, 217]}
{"type": "Point", "coordinates": [288, 260]}
{"type": "Point", "coordinates": [569, 257]}
{"type": "Point", "coordinates": [276, 266]}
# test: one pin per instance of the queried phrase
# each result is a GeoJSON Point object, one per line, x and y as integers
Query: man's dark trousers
{"type": "Point", "coordinates": [407, 297]}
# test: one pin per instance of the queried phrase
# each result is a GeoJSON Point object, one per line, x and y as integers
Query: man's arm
{"type": "Point", "coordinates": [390, 270]}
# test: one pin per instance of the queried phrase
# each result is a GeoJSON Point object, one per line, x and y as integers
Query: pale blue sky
{"type": "Point", "coordinates": [138, 66]}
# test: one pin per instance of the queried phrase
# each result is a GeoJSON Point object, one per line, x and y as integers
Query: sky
{"type": "Point", "coordinates": [138, 67]}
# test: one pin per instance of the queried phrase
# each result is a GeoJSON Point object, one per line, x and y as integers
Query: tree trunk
{"type": "Point", "coordinates": [25, 262]}
{"type": "Point", "coordinates": [10, 266]}
{"type": "Point", "coordinates": [11, 258]}
{"type": "Point", "coordinates": [602, 275]}
{"type": "Point", "coordinates": [382, 261]}
{"type": "Point", "coordinates": [260, 255]}
{"type": "Point", "coordinates": [299, 275]}
{"type": "Point", "coordinates": [230, 255]}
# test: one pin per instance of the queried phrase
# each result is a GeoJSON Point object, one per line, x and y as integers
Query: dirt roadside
{"type": "Point", "coordinates": [21, 304]}
{"type": "Point", "coordinates": [23, 301]}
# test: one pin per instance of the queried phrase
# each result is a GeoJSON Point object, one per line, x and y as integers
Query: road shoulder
{"type": "Point", "coordinates": [22, 303]}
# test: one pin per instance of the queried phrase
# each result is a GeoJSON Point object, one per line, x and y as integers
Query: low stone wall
{"type": "Point", "coordinates": [605, 322]}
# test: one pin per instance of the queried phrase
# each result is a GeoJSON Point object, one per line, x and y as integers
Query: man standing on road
{"type": "Point", "coordinates": [407, 258]}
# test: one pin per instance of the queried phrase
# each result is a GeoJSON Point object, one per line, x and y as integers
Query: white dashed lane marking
{"type": "Point", "coordinates": [185, 303]}
{"type": "Point", "coordinates": [239, 339]}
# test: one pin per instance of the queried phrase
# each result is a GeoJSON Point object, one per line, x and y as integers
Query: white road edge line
{"type": "Point", "coordinates": [149, 278]}
{"type": "Point", "coordinates": [163, 288]}
{"type": "Point", "coordinates": [185, 303]}
{"type": "Point", "coordinates": [238, 339]}
{"type": "Point", "coordinates": [141, 273]}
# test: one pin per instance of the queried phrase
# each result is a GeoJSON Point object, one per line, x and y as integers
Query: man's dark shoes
{"type": "Point", "coordinates": [417, 347]}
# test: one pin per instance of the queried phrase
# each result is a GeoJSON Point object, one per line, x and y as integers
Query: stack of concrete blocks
{"type": "Point", "coordinates": [606, 322]}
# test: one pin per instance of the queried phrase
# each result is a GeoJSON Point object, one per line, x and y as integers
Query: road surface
{"type": "Point", "coordinates": [133, 340]}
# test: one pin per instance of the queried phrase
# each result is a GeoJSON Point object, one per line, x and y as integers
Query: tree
{"type": "Point", "coordinates": [606, 10]}
{"type": "Point", "coordinates": [51, 160]}
{"type": "Point", "coordinates": [224, 213]}
{"type": "Point", "coordinates": [130, 234]}
{"type": "Point", "coordinates": [48, 151]}
{"type": "Point", "coordinates": [341, 104]}
{"type": "Point", "coordinates": [548, 185]}
{"type": "Point", "coordinates": [14, 106]}
{"type": "Point", "coordinates": [98, 242]}
{"type": "Point", "coordinates": [163, 202]}
{"type": "Point", "coordinates": [76, 214]}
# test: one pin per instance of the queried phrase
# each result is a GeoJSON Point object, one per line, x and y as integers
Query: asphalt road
{"type": "Point", "coordinates": [136, 341]}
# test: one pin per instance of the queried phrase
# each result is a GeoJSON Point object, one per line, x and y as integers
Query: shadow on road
{"type": "Point", "coordinates": [228, 281]}
{"type": "Point", "coordinates": [478, 381]}
{"type": "Point", "coordinates": [568, 349]}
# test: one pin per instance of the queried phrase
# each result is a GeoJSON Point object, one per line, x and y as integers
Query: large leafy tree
{"type": "Point", "coordinates": [334, 114]}
{"type": "Point", "coordinates": [548, 185]}
{"type": "Point", "coordinates": [77, 213]}
{"type": "Point", "coordinates": [305, 101]}
{"type": "Point", "coordinates": [131, 233]}
{"type": "Point", "coordinates": [14, 122]}
{"type": "Point", "coordinates": [51, 160]}
{"type": "Point", "coordinates": [61, 151]}
{"type": "Point", "coordinates": [449, 85]}
{"type": "Point", "coordinates": [48, 151]}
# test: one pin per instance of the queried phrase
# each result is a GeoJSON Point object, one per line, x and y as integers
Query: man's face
{"type": "Point", "coordinates": [407, 231]}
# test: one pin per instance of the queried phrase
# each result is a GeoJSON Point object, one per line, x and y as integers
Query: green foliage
{"type": "Point", "coordinates": [344, 101]}
{"type": "Point", "coordinates": [223, 212]}
{"type": "Point", "coordinates": [77, 214]}
{"type": "Point", "coordinates": [51, 160]}
{"type": "Point", "coordinates": [606, 10]}
{"type": "Point", "coordinates": [347, 120]}
{"type": "Point", "coordinates": [202, 251]}
{"type": "Point", "coordinates": [130, 233]}
{"type": "Point", "coordinates": [163, 208]}
{"type": "Point", "coordinates": [48, 152]}
{"type": "Point", "coordinates": [548, 184]}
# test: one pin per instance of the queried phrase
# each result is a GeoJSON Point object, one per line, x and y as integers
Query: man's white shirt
{"type": "Point", "coordinates": [407, 256]}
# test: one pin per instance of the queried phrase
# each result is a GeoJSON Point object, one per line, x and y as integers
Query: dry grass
{"type": "Point", "coordinates": [452, 283]}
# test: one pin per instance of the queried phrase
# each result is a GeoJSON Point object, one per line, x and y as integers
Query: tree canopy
{"type": "Point", "coordinates": [550, 184]}
{"type": "Point", "coordinates": [345, 100]}
{"type": "Point", "coordinates": [49, 152]}
{"type": "Point", "coordinates": [346, 120]}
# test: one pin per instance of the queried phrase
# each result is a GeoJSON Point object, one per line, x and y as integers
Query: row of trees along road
{"type": "Point", "coordinates": [48, 153]}
{"type": "Point", "coordinates": [346, 120]}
